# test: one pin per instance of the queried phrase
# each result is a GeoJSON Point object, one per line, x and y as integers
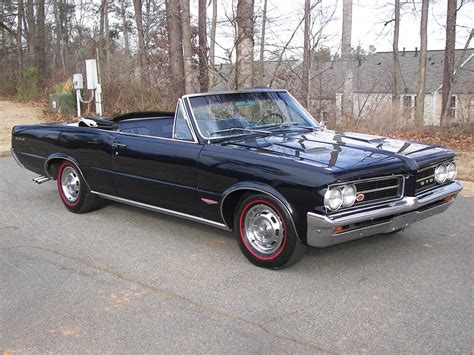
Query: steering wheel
{"type": "Point", "coordinates": [271, 114]}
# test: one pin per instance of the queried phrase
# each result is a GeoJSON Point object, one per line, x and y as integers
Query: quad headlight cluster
{"type": "Point", "coordinates": [446, 171]}
{"type": "Point", "coordinates": [340, 196]}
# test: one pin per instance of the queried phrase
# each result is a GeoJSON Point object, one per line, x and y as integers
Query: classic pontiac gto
{"type": "Point", "coordinates": [252, 161]}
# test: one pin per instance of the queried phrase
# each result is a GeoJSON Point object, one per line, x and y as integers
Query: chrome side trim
{"type": "Point", "coordinates": [393, 216]}
{"type": "Point", "coordinates": [15, 157]}
{"type": "Point", "coordinates": [162, 210]}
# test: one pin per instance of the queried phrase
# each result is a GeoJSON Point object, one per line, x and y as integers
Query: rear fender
{"type": "Point", "coordinates": [58, 157]}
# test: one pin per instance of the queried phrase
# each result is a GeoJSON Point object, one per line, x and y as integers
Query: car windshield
{"type": "Point", "coordinates": [231, 114]}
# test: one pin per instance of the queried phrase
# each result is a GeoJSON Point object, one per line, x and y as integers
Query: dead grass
{"type": "Point", "coordinates": [465, 163]}
{"type": "Point", "coordinates": [15, 113]}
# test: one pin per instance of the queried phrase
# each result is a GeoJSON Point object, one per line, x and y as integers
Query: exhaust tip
{"type": "Point", "coordinates": [41, 179]}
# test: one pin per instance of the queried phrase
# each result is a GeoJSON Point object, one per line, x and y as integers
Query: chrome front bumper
{"type": "Point", "coordinates": [394, 216]}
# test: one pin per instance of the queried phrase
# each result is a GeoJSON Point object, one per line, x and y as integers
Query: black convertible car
{"type": "Point", "coordinates": [251, 161]}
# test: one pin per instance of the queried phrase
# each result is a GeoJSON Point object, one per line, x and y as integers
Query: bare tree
{"type": "Point", "coordinates": [306, 53]}
{"type": "Point", "coordinates": [19, 50]}
{"type": "Point", "coordinates": [244, 44]}
{"type": "Point", "coordinates": [137, 4]}
{"type": "Point", "coordinates": [449, 51]}
{"type": "Point", "coordinates": [176, 60]}
{"type": "Point", "coordinates": [40, 42]}
{"type": "Point", "coordinates": [396, 63]}
{"type": "Point", "coordinates": [31, 36]}
{"type": "Point", "coordinates": [420, 93]}
{"type": "Point", "coordinates": [348, 93]}
{"type": "Point", "coordinates": [187, 47]}
{"type": "Point", "coordinates": [106, 36]}
{"type": "Point", "coordinates": [203, 64]}
{"type": "Point", "coordinates": [212, 49]}
{"type": "Point", "coordinates": [123, 14]}
{"type": "Point", "coordinates": [261, 71]}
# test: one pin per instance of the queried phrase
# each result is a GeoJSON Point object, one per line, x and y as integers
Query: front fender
{"type": "Point", "coordinates": [262, 188]}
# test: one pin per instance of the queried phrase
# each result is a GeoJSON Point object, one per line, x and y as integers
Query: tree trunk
{"type": "Point", "coordinates": [203, 64]}
{"type": "Point", "coordinates": [107, 39]}
{"type": "Point", "coordinates": [19, 49]}
{"type": "Point", "coordinates": [306, 53]}
{"type": "Point", "coordinates": [420, 93]}
{"type": "Point", "coordinates": [137, 4]}
{"type": "Point", "coordinates": [40, 43]}
{"type": "Point", "coordinates": [58, 16]}
{"type": "Point", "coordinates": [396, 63]}
{"type": "Point", "coordinates": [212, 50]}
{"type": "Point", "coordinates": [175, 50]}
{"type": "Point", "coordinates": [31, 35]}
{"type": "Point", "coordinates": [448, 61]}
{"type": "Point", "coordinates": [123, 13]}
{"type": "Point", "coordinates": [244, 44]}
{"type": "Point", "coordinates": [348, 93]}
{"type": "Point", "coordinates": [187, 47]}
{"type": "Point", "coordinates": [261, 72]}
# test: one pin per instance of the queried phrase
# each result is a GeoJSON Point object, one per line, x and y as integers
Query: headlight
{"type": "Point", "coordinates": [440, 174]}
{"type": "Point", "coordinates": [348, 195]}
{"type": "Point", "coordinates": [451, 171]}
{"type": "Point", "coordinates": [333, 199]}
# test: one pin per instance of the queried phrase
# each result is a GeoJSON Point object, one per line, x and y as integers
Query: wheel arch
{"type": "Point", "coordinates": [235, 193]}
{"type": "Point", "coordinates": [57, 158]}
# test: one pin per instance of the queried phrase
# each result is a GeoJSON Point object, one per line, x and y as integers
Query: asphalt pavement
{"type": "Point", "coordinates": [124, 280]}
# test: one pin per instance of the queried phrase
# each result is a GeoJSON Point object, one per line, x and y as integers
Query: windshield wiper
{"type": "Point", "coordinates": [239, 129]}
{"type": "Point", "coordinates": [288, 125]}
{"type": "Point", "coordinates": [236, 136]}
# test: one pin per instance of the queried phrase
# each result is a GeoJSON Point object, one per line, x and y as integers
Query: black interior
{"type": "Point", "coordinates": [155, 127]}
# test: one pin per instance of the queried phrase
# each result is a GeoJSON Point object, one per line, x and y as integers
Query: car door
{"type": "Point", "coordinates": [157, 171]}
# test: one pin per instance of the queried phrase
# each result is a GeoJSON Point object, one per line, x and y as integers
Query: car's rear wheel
{"type": "Point", "coordinates": [73, 190]}
{"type": "Point", "coordinates": [265, 232]}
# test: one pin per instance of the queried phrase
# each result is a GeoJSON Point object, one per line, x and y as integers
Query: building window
{"type": "Point", "coordinates": [409, 105]}
{"type": "Point", "coordinates": [453, 106]}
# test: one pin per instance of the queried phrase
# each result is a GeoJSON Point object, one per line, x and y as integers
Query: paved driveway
{"type": "Point", "coordinates": [123, 279]}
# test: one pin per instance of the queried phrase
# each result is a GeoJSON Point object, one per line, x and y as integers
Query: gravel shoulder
{"type": "Point", "coordinates": [14, 113]}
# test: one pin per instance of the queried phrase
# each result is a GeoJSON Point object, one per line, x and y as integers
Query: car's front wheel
{"type": "Point", "coordinates": [265, 232]}
{"type": "Point", "coordinates": [73, 190]}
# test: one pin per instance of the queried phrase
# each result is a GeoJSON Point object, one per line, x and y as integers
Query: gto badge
{"type": "Point", "coordinates": [360, 197]}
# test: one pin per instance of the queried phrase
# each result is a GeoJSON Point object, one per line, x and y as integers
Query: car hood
{"type": "Point", "coordinates": [345, 151]}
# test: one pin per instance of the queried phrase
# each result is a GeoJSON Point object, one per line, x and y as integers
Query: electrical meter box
{"type": "Point", "coordinates": [77, 82]}
{"type": "Point", "coordinates": [91, 72]}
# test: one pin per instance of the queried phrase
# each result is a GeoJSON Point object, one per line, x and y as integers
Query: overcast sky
{"type": "Point", "coordinates": [368, 27]}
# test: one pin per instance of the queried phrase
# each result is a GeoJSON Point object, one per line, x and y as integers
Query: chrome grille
{"type": "Point", "coordinates": [425, 178]}
{"type": "Point", "coordinates": [380, 189]}
{"type": "Point", "coordinates": [374, 190]}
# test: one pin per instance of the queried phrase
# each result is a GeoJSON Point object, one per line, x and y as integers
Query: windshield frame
{"type": "Point", "coordinates": [249, 91]}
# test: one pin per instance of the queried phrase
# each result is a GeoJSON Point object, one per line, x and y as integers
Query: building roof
{"type": "Point", "coordinates": [376, 74]}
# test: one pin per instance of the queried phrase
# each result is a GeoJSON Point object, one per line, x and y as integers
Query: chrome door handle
{"type": "Point", "coordinates": [119, 145]}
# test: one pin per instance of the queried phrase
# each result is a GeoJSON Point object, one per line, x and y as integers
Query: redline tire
{"type": "Point", "coordinates": [78, 199]}
{"type": "Point", "coordinates": [265, 232]}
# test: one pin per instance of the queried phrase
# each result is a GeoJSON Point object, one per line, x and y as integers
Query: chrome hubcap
{"type": "Point", "coordinates": [263, 229]}
{"type": "Point", "coordinates": [70, 184]}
